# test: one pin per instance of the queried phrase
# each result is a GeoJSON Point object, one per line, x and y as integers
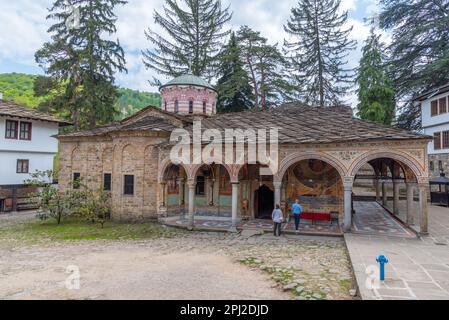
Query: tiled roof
{"type": "Point", "coordinates": [11, 109]}
{"type": "Point", "coordinates": [303, 124]}
{"type": "Point", "coordinates": [298, 124]}
{"type": "Point", "coordinates": [146, 123]}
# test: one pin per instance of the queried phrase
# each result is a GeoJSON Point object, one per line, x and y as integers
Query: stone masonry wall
{"type": "Point", "coordinates": [435, 164]}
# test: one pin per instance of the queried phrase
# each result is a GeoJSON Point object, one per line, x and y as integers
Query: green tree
{"type": "Point", "coordinates": [195, 37]}
{"type": "Point", "coordinates": [81, 58]}
{"type": "Point", "coordinates": [265, 66]}
{"type": "Point", "coordinates": [375, 89]}
{"type": "Point", "coordinates": [419, 50]}
{"type": "Point", "coordinates": [318, 51]}
{"type": "Point", "coordinates": [234, 91]}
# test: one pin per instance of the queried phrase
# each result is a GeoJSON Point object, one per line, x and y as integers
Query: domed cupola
{"type": "Point", "coordinates": [189, 94]}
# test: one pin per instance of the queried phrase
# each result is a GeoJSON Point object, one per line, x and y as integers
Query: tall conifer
{"type": "Point", "coordinates": [318, 50]}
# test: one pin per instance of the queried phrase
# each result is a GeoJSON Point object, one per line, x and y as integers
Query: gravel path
{"type": "Point", "coordinates": [191, 266]}
{"type": "Point", "coordinates": [10, 219]}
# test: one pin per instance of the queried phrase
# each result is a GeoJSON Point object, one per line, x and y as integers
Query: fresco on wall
{"type": "Point", "coordinates": [225, 183]}
{"type": "Point", "coordinates": [316, 183]}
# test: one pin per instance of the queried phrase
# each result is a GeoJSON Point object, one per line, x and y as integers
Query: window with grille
{"type": "Point", "coordinates": [107, 182]}
{"type": "Point", "coordinates": [204, 107]}
{"type": "Point", "coordinates": [76, 180]}
{"type": "Point", "coordinates": [128, 185]}
{"type": "Point", "coordinates": [437, 140]}
{"type": "Point", "coordinates": [190, 107]}
{"type": "Point", "coordinates": [11, 129]}
{"type": "Point", "coordinates": [434, 108]}
{"type": "Point", "coordinates": [443, 105]}
{"type": "Point", "coordinates": [22, 166]}
{"type": "Point", "coordinates": [431, 167]}
{"type": "Point", "coordinates": [176, 106]}
{"type": "Point", "coordinates": [445, 139]}
{"type": "Point", "coordinates": [25, 131]}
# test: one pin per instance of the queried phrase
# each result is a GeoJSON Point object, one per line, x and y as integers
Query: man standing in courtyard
{"type": "Point", "coordinates": [296, 210]}
{"type": "Point", "coordinates": [277, 217]}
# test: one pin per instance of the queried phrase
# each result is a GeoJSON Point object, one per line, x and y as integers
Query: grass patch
{"type": "Point", "coordinates": [73, 229]}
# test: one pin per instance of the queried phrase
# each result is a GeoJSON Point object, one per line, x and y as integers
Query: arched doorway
{"type": "Point", "coordinates": [264, 202]}
{"type": "Point", "coordinates": [173, 191]}
{"type": "Point", "coordinates": [385, 198]}
{"type": "Point", "coordinates": [213, 191]}
{"type": "Point", "coordinates": [317, 185]}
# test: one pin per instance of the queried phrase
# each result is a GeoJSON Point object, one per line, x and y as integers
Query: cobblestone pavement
{"type": "Point", "coordinates": [417, 268]}
{"type": "Point", "coordinates": [9, 219]}
{"type": "Point", "coordinates": [321, 228]}
{"type": "Point", "coordinates": [196, 265]}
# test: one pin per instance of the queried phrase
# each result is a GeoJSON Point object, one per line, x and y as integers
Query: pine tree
{"type": "Point", "coordinates": [419, 51]}
{"type": "Point", "coordinates": [234, 91]}
{"type": "Point", "coordinates": [195, 38]}
{"type": "Point", "coordinates": [265, 66]}
{"type": "Point", "coordinates": [82, 58]}
{"type": "Point", "coordinates": [317, 53]}
{"type": "Point", "coordinates": [375, 89]}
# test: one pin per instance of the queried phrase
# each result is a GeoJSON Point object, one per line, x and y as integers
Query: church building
{"type": "Point", "coordinates": [321, 153]}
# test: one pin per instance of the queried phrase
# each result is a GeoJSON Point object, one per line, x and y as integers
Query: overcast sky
{"type": "Point", "coordinates": [23, 29]}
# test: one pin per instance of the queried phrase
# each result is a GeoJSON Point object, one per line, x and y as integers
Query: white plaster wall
{"type": "Point", "coordinates": [427, 119]}
{"type": "Point", "coordinates": [8, 163]}
{"type": "Point", "coordinates": [41, 139]}
{"type": "Point", "coordinates": [40, 151]}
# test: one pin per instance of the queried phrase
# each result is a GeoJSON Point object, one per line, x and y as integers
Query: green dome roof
{"type": "Point", "coordinates": [189, 80]}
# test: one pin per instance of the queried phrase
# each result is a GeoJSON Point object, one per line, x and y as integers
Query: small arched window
{"type": "Point", "coordinates": [165, 105]}
{"type": "Point", "coordinates": [431, 166]}
{"type": "Point", "coordinates": [176, 106]}
{"type": "Point", "coordinates": [190, 106]}
{"type": "Point", "coordinates": [204, 107]}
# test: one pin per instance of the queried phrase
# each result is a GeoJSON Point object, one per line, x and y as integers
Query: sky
{"type": "Point", "coordinates": [23, 30]}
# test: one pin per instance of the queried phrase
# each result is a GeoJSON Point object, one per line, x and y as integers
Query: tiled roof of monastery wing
{"type": "Point", "coordinates": [99, 131]}
{"type": "Point", "coordinates": [297, 124]}
{"type": "Point", "coordinates": [11, 109]}
{"type": "Point", "coordinates": [146, 123]}
{"type": "Point", "coordinates": [302, 124]}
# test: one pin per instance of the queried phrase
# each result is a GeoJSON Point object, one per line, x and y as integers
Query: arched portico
{"type": "Point", "coordinates": [392, 170]}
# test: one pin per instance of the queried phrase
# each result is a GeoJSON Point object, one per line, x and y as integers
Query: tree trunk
{"type": "Point", "coordinates": [320, 62]}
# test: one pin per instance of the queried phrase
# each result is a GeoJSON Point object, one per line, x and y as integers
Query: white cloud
{"type": "Point", "coordinates": [22, 29]}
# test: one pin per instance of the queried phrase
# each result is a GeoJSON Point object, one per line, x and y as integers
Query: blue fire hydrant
{"type": "Point", "coordinates": [382, 260]}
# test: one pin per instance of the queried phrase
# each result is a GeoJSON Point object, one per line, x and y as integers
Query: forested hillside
{"type": "Point", "coordinates": [19, 88]}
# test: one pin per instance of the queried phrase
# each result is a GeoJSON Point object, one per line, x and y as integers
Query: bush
{"type": "Point", "coordinates": [94, 206]}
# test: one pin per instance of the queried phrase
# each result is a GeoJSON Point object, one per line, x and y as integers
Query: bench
{"type": "Point", "coordinates": [317, 216]}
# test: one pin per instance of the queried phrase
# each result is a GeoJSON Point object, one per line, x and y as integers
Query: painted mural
{"type": "Point", "coordinates": [316, 184]}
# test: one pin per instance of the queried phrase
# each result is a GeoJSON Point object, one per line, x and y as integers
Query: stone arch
{"type": "Point", "coordinates": [166, 163]}
{"type": "Point", "coordinates": [107, 157]}
{"type": "Point", "coordinates": [230, 169]}
{"type": "Point", "coordinates": [77, 160]}
{"type": "Point", "coordinates": [403, 159]}
{"type": "Point", "coordinates": [291, 159]}
{"type": "Point", "coordinates": [129, 158]}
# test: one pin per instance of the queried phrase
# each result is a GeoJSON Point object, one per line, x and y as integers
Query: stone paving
{"type": "Point", "coordinates": [306, 227]}
{"type": "Point", "coordinates": [371, 218]}
{"type": "Point", "coordinates": [417, 268]}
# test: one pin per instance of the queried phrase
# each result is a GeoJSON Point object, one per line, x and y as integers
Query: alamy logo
{"type": "Point", "coordinates": [73, 20]}
{"type": "Point", "coordinates": [372, 277]}
{"type": "Point", "coordinates": [226, 146]}
{"type": "Point", "coordinates": [72, 282]}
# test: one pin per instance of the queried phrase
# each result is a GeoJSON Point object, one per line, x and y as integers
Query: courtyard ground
{"type": "Point", "coordinates": [417, 268]}
{"type": "Point", "coordinates": [156, 262]}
